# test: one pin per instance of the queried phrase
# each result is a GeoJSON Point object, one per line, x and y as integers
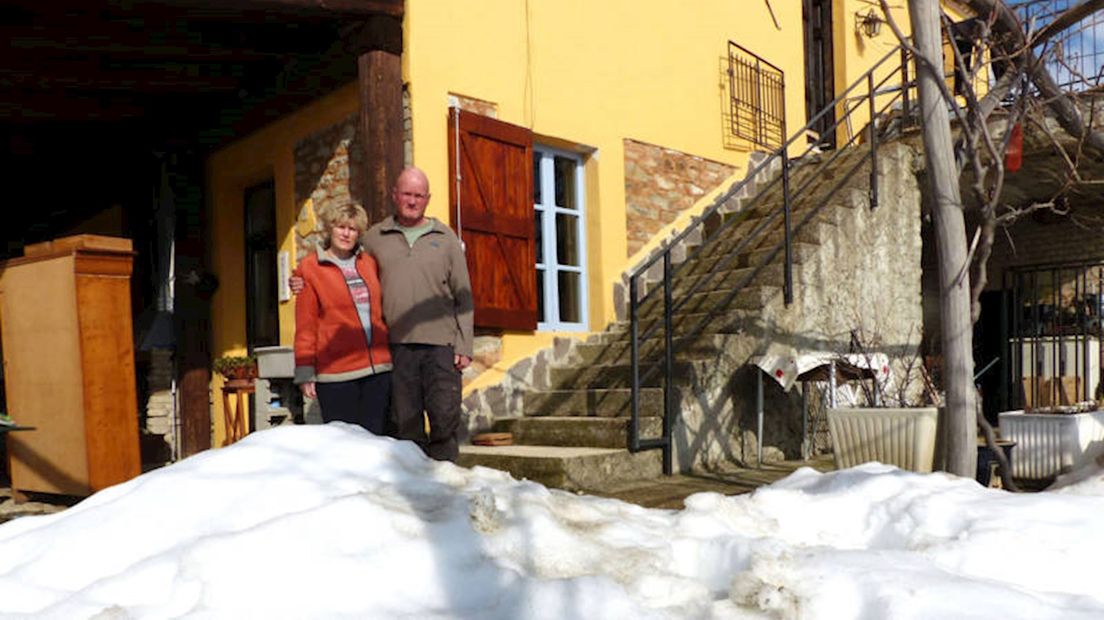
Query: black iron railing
{"type": "Point", "coordinates": [756, 98]}
{"type": "Point", "coordinates": [882, 95]}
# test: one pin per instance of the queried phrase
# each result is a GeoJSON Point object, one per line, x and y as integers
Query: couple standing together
{"type": "Point", "coordinates": [383, 321]}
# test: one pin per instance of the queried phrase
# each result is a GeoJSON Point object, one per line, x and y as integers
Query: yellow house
{"type": "Point", "coordinates": [602, 125]}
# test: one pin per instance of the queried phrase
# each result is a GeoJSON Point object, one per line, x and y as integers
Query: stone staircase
{"type": "Point", "coordinates": [572, 429]}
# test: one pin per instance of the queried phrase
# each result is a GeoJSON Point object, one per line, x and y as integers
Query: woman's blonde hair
{"type": "Point", "coordinates": [352, 213]}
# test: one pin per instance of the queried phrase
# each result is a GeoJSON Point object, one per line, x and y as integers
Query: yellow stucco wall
{"type": "Point", "coordinates": [266, 154]}
{"type": "Point", "coordinates": [593, 74]}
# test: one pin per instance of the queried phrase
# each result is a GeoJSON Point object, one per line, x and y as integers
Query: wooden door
{"type": "Point", "coordinates": [492, 211]}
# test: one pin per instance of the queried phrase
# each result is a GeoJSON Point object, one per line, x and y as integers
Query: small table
{"type": "Point", "coordinates": [236, 419]}
{"type": "Point", "coordinates": [987, 463]}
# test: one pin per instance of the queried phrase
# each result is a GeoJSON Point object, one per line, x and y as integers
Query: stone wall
{"type": "Point", "coordinates": [661, 183]}
{"type": "Point", "coordinates": [158, 421]}
{"type": "Point", "coordinates": [328, 174]}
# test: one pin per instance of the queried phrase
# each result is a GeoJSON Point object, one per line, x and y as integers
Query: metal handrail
{"type": "Point", "coordinates": [882, 96]}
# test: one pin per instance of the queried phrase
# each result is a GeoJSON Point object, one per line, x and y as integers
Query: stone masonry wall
{"type": "Point", "coordinates": [327, 175]}
{"type": "Point", "coordinates": [660, 183]}
{"type": "Point", "coordinates": [159, 407]}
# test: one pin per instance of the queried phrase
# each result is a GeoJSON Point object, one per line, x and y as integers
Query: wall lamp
{"type": "Point", "coordinates": [869, 23]}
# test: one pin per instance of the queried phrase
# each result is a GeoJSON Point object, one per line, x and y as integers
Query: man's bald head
{"type": "Point", "coordinates": [411, 197]}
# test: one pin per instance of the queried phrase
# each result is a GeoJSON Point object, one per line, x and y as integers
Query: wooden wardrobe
{"type": "Point", "coordinates": [68, 349]}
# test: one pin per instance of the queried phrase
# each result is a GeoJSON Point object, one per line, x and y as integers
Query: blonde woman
{"type": "Point", "coordinates": [341, 351]}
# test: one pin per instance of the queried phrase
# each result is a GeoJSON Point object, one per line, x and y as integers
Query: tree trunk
{"type": "Point", "coordinates": [960, 433]}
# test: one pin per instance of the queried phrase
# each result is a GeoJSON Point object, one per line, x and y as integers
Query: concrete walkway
{"type": "Point", "coordinates": [663, 492]}
{"type": "Point", "coordinates": [669, 491]}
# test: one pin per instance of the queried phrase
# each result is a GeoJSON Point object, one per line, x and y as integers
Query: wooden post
{"type": "Point", "coordinates": [378, 44]}
{"type": "Point", "coordinates": [192, 313]}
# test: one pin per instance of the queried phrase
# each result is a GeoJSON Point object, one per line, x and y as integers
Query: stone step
{"type": "Point", "coordinates": [709, 284]}
{"type": "Point", "coordinates": [692, 325]}
{"type": "Point", "coordinates": [611, 376]}
{"type": "Point", "coordinates": [735, 240]}
{"type": "Point", "coordinates": [618, 351]}
{"type": "Point", "coordinates": [598, 403]}
{"type": "Point", "coordinates": [753, 297]}
{"type": "Point", "coordinates": [802, 252]}
{"type": "Point", "coordinates": [576, 431]}
{"type": "Point", "coordinates": [568, 468]}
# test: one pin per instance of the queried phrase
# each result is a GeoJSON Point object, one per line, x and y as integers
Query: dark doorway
{"type": "Point", "coordinates": [262, 321]}
{"type": "Point", "coordinates": [819, 85]}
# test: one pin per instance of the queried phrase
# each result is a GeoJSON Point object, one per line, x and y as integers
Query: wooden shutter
{"type": "Point", "coordinates": [495, 217]}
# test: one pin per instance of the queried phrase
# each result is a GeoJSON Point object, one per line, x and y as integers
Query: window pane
{"type": "Point", "coordinates": [565, 182]}
{"type": "Point", "coordinates": [567, 239]}
{"type": "Point", "coordinates": [540, 295]}
{"type": "Point", "coordinates": [538, 235]}
{"type": "Point", "coordinates": [536, 178]}
{"type": "Point", "coordinates": [568, 287]}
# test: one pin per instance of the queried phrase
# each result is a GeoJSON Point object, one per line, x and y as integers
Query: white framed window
{"type": "Point", "coordinates": [558, 199]}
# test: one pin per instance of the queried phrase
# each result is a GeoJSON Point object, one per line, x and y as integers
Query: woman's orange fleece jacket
{"type": "Point", "coordinates": [330, 342]}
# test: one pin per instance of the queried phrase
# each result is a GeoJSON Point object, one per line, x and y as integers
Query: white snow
{"type": "Point", "coordinates": [331, 522]}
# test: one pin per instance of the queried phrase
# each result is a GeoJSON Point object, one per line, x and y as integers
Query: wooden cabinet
{"type": "Point", "coordinates": [69, 365]}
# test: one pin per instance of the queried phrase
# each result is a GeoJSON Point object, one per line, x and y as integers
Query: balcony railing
{"type": "Point", "coordinates": [1074, 56]}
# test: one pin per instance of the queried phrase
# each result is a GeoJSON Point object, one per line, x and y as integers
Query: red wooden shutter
{"type": "Point", "coordinates": [495, 220]}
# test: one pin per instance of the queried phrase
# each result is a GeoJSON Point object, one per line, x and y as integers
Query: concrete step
{"type": "Point", "coordinates": [568, 468]}
{"type": "Point", "coordinates": [576, 431]}
{"type": "Point", "coordinates": [601, 403]}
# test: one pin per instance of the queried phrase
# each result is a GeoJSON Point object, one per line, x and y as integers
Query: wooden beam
{"type": "Point", "coordinates": [375, 33]}
{"type": "Point", "coordinates": [24, 107]}
{"type": "Point", "coordinates": [337, 8]}
{"type": "Point", "coordinates": [379, 75]}
{"type": "Point", "coordinates": [54, 77]}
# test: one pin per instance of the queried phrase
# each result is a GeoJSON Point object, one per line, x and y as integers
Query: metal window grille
{"type": "Point", "coordinates": [756, 89]}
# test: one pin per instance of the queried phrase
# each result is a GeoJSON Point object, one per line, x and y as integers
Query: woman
{"type": "Point", "coordinates": [341, 351]}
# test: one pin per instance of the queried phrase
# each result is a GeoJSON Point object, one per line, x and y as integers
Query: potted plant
{"type": "Point", "coordinates": [236, 367]}
{"type": "Point", "coordinates": [892, 421]}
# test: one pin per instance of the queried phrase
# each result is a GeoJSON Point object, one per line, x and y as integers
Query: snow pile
{"type": "Point", "coordinates": [325, 522]}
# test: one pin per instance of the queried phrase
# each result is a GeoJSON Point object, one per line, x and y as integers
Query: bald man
{"type": "Point", "coordinates": [427, 304]}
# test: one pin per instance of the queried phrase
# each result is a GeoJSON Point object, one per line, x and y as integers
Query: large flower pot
{"type": "Point", "coordinates": [902, 437]}
{"type": "Point", "coordinates": [1049, 444]}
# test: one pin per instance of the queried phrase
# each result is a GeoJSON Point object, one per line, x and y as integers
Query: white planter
{"type": "Point", "coordinates": [902, 437]}
{"type": "Point", "coordinates": [1048, 444]}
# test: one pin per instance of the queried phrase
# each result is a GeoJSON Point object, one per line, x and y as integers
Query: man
{"type": "Point", "coordinates": [427, 305]}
